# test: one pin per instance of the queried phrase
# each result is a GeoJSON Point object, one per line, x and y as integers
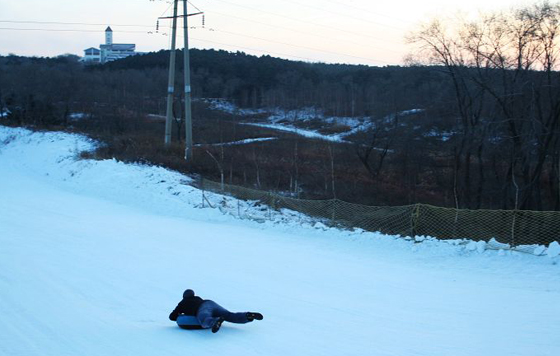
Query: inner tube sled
{"type": "Point", "coordinates": [189, 322]}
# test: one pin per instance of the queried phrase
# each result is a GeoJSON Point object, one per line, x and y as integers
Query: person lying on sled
{"type": "Point", "coordinates": [193, 312]}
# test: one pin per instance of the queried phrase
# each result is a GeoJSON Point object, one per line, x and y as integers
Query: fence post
{"type": "Point", "coordinates": [202, 189]}
{"type": "Point", "coordinates": [414, 219]}
{"type": "Point", "coordinates": [513, 228]}
{"type": "Point", "coordinates": [273, 202]}
{"type": "Point", "coordinates": [268, 204]}
{"type": "Point", "coordinates": [456, 223]}
{"type": "Point", "coordinates": [333, 216]}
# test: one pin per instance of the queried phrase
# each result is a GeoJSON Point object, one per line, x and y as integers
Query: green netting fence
{"type": "Point", "coordinates": [513, 227]}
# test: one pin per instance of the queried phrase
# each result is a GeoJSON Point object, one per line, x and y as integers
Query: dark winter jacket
{"type": "Point", "coordinates": [188, 306]}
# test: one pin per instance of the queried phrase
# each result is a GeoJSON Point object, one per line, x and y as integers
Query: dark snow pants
{"type": "Point", "coordinates": [209, 312]}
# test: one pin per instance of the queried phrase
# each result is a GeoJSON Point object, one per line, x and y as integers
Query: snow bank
{"type": "Point", "coordinates": [479, 246]}
{"type": "Point", "coordinates": [553, 249]}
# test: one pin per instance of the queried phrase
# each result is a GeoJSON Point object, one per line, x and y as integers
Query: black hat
{"type": "Point", "coordinates": [188, 293]}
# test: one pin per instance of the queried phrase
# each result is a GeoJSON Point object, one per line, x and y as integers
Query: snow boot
{"type": "Point", "coordinates": [217, 325]}
{"type": "Point", "coordinates": [252, 316]}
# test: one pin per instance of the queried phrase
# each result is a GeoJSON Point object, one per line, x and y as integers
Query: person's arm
{"type": "Point", "coordinates": [174, 314]}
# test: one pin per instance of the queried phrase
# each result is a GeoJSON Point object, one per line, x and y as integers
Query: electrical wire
{"type": "Point", "coordinates": [296, 31]}
{"type": "Point", "coordinates": [298, 46]}
{"type": "Point", "coordinates": [193, 5]}
{"type": "Point", "coordinates": [254, 49]}
{"type": "Point", "coordinates": [69, 23]}
{"type": "Point", "coordinates": [340, 14]}
{"type": "Point", "coordinates": [307, 59]}
{"type": "Point", "coordinates": [304, 21]}
{"type": "Point", "coordinates": [62, 30]}
{"type": "Point", "coordinates": [196, 39]}
{"type": "Point", "coordinates": [361, 9]}
{"type": "Point", "coordinates": [372, 60]}
{"type": "Point", "coordinates": [163, 13]}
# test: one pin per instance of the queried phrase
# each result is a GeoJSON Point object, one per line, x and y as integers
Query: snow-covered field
{"type": "Point", "coordinates": [95, 254]}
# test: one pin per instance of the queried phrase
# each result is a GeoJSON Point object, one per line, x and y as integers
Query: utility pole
{"type": "Point", "coordinates": [171, 82]}
{"type": "Point", "coordinates": [187, 71]}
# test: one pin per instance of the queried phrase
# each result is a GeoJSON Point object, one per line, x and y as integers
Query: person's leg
{"type": "Point", "coordinates": [254, 316]}
{"type": "Point", "coordinates": [221, 312]}
{"type": "Point", "coordinates": [238, 318]}
{"type": "Point", "coordinates": [210, 311]}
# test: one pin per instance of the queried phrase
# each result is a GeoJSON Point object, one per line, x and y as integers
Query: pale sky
{"type": "Point", "coordinates": [333, 31]}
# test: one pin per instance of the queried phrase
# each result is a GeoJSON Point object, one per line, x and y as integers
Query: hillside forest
{"type": "Point", "coordinates": [472, 120]}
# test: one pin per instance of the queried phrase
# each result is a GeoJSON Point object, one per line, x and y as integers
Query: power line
{"type": "Point", "coordinates": [339, 14]}
{"type": "Point", "coordinates": [170, 4]}
{"type": "Point", "coordinates": [193, 5]}
{"type": "Point", "coordinates": [372, 60]}
{"type": "Point", "coordinates": [62, 30]}
{"type": "Point", "coordinates": [267, 51]}
{"type": "Point", "coordinates": [244, 19]}
{"type": "Point", "coordinates": [283, 54]}
{"type": "Point", "coordinates": [294, 30]}
{"type": "Point", "coordinates": [298, 46]}
{"type": "Point", "coordinates": [256, 49]}
{"type": "Point", "coordinates": [197, 39]}
{"type": "Point", "coordinates": [71, 23]}
{"type": "Point", "coordinates": [304, 21]}
{"type": "Point", "coordinates": [361, 9]}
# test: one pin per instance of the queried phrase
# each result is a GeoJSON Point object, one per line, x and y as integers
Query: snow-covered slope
{"type": "Point", "coordinates": [95, 254]}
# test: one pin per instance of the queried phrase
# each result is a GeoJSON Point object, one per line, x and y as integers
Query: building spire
{"type": "Point", "coordinates": [108, 36]}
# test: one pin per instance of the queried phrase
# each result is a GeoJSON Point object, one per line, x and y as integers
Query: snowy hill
{"type": "Point", "coordinates": [95, 254]}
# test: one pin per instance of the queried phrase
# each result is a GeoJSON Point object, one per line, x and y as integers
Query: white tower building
{"type": "Point", "coordinates": [108, 36]}
{"type": "Point", "coordinates": [109, 51]}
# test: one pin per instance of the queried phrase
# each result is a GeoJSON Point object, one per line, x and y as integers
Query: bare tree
{"type": "Point", "coordinates": [504, 61]}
